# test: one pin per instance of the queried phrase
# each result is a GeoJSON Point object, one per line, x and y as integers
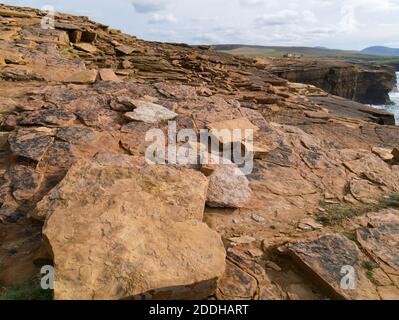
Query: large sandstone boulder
{"type": "Point", "coordinates": [119, 228]}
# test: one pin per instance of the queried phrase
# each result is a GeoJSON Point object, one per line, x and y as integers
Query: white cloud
{"type": "Point", "coordinates": [348, 21]}
{"type": "Point", "coordinates": [148, 6]}
{"type": "Point", "coordinates": [158, 18]}
{"type": "Point", "coordinates": [285, 18]}
{"type": "Point", "coordinates": [251, 2]}
{"type": "Point", "coordinates": [346, 24]}
{"type": "Point", "coordinates": [280, 18]}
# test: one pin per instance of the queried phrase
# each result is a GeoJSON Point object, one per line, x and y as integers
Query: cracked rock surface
{"type": "Point", "coordinates": [76, 191]}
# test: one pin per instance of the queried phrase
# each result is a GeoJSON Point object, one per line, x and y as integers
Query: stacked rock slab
{"type": "Point", "coordinates": [120, 229]}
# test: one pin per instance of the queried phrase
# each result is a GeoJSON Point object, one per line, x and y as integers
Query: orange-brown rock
{"type": "Point", "coordinates": [311, 150]}
{"type": "Point", "coordinates": [147, 241]}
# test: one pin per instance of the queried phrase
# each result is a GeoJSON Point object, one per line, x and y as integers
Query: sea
{"type": "Point", "coordinates": [394, 108]}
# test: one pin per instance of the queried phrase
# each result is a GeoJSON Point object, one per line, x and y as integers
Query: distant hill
{"type": "Point", "coordinates": [308, 52]}
{"type": "Point", "coordinates": [383, 51]}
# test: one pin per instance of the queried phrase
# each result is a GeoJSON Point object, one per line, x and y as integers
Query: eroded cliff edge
{"type": "Point", "coordinates": [364, 83]}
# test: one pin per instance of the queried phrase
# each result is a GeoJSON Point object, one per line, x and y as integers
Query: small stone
{"type": "Point", "coordinates": [108, 75]}
{"type": "Point", "coordinates": [126, 64]}
{"type": "Point", "coordinates": [257, 218]}
{"type": "Point", "coordinates": [25, 182]}
{"type": "Point", "coordinates": [242, 240]}
{"type": "Point", "coordinates": [309, 224]}
{"type": "Point", "coordinates": [275, 109]}
{"type": "Point", "coordinates": [83, 77]}
{"type": "Point", "coordinates": [225, 131]}
{"type": "Point", "coordinates": [228, 188]}
{"type": "Point", "coordinates": [255, 253]}
{"type": "Point", "coordinates": [203, 91]}
{"type": "Point", "coordinates": [124, 49]}
{"type": "Point", "coordinates": [150, 112]}
{"type": "Point", "coordinates": [86, 47]}
{"type": "Point", "coordinates": [383, 153]}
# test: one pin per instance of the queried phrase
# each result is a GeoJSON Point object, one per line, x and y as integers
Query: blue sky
{"type": "Point", "coordinates": [345, 24]}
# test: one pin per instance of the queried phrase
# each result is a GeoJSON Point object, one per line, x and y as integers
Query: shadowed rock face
{"type": "Point", "coordinates": [364, 83]}
{"type": "Point", "coordinates": [68, 138]}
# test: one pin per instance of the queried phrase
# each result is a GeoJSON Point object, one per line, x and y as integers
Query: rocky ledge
{"type": "Point", "coordinates": [76, 191]}
{"type": "Point", "coordinates": [364, 83]}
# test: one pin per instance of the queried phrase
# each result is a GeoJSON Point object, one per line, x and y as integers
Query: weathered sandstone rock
{"type": "Point", "coordinates": [30, 144]}
{"type": "Point", "coordinates": [83, 77]}
{"type": "Point", "coordinates": [145, 240]}
{"type": "Point", "coordinates": [124, 49]}
{"type": "Point", "coordinates": [150, 112]}
{"type": "Point", "coordinates": [87, 47]}
{"type": "Point", "coordinates": [382, 243]}
{"type": "Point", "coordinates": [324, 259]}
{"type": "Point", "coordinates": [230, 131]}
{"type": "Point", "coordinates": [384, 153]}
{"type": "Point", "coordinates": [108, 75]}
{"type": "Point", "coordinates": [228, 188]}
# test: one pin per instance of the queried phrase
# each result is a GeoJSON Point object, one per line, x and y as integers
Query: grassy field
{"type": "Point", "coordinates": [306, 52]}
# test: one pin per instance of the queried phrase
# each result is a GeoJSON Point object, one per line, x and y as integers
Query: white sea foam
{"type": "Point", "coordinates": [394, 95]}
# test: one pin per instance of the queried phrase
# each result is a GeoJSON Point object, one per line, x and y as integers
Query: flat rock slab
{"type": "Point", "coordinates": [119, 229]}
{"type": "Point", "coordinates": [30, 144]}
{"type": "Point", "coordinates": [382, 243]}
{"type": "Point", "coordinates": [124, 49]}
{"type": "Point", "coordinates": [86, 47]}
{"type": "Point", "coordinates": [108, 75]}
{"type": "Point", "coordinates": [324, 258]}
{"type": "Point", "coordinates": [25, 182]}
{"type": "Point", "coordinates": [384, 153]}
{"type": "Point", "coordinates": [48, 117]}
{"type": "Point", "coordinates": [150, 112]}
{"type": "Point", "coordinates": [236, 284]}
{"type": "Point", "coordinates": [225, 130]}
{"type": "Point", "coordinates": [83, 77]}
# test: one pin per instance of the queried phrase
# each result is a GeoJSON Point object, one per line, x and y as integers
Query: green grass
{"type": "Point", "coordinates": [335, 214]}
{"type": "Point", "coordinates": [28, 290]}
{"type": "Point", "coordinates": [369, 266]}
{"type": "Point", "coordinates": [352, 236]}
